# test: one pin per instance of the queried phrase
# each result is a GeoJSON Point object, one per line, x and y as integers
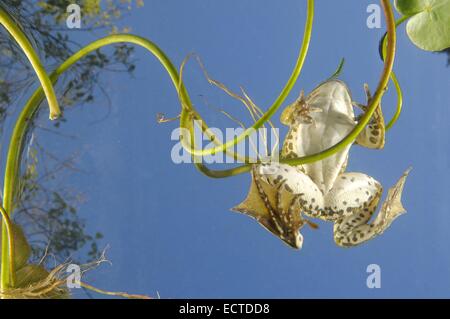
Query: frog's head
{"type": "Point", "coordinates": [292, 238]}
{"type": "Point", "coordinates": [291, 234]}
{"type": "Point", "coordinates": [287, 228]}
{"type": "Point", "coordinates": [288, 232]}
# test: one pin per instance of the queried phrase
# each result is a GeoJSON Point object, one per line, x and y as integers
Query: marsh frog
{"type": "Point", "coordinates": [281, 195]}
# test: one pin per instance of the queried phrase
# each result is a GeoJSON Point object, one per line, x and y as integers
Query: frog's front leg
{"type": "Point", "coordinates": [355, 196]}
{"type": "Point", "coordinates": [373, 135]}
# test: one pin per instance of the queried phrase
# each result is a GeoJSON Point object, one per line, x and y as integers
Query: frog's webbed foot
{"type": "Point", "coordinates": [355, 229]}
{"type": "Point", "coordinates": [392, 207]}
{"type": "Point", "coordinates": [274, 201]}
{"type": "Point", "coordinates": [373, 135]}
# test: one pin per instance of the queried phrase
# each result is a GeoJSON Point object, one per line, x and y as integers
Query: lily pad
{"type": "Point", "coordinates": [429, 25]}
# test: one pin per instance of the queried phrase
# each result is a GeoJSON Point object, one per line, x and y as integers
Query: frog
{"type": "Point", "coordinates": [350, 199]}
{"type": "Point", "coordinates": [282, 198]}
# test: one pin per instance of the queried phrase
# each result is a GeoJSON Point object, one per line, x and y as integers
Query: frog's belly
{"type": "Point", "coordinates": [318, 137]}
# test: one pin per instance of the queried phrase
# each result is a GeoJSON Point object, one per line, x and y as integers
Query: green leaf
{"type": "Point", "coordinates": [22, 250]}
{"type": "Point", "coordinates": [29, 275]}
{"type": "Point", "coordinates": [429, 25]}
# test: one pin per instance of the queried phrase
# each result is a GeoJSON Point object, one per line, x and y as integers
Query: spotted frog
{"type": "Point", "coordinates": [281, 197]}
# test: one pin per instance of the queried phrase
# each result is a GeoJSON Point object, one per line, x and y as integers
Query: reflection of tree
{"type": "Point", "coordinates": [48, 212]}
{"type": "Point", "coordinates": [44, 26]}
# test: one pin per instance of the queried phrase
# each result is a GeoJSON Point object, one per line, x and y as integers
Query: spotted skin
{"type": "Point", "coordinates": [355, 196]}
{"type": "Point", "coordinates": [349, 200]}
{"type": "Point", "coordinates": [311, 201]}
{"type": "Point", "coordinates": [330, 126]}
{"type": "Point", "coordinates": [373, 135]}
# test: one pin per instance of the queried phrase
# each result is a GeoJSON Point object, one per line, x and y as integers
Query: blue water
{"type": "Point", "coordinates": [170, 230]}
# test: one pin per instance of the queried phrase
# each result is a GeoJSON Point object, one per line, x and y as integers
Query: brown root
{"type": "Point", "coordinates": [35, 282]}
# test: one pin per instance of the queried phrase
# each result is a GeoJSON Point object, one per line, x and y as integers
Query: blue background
{"type": "Point", "coordinates": [170, 229]}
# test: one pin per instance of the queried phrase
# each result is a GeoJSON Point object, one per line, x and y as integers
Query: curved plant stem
{"type": "Point", "coordinates": [338, 70]}
{"type": "Point", "coordinates": [11, 251]}
{"type": "Point", "coordinates": [394, 79]}
{"type": "Point", "coordinates": [30, 53]}
{"type": "Point", "coordinates": [399, 107]}
{"type": "Point", "coordinates": [266, 116]}
{"type": "Point", "coordinates": [381, 88]}
{"type": "Point", "coordinates": [19, 132]}
{"type": "Point", "coordinates": [187, 117]}
{"type": "Point", "coordinates": [20, 129]}
{"type": "Point", "coordinates": [382, 84]}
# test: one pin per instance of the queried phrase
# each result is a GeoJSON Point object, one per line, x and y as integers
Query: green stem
{"type": "Point", "coordinates": [399, 107]}
{"type": "Point", "coordinates": [25, 45]}
{"type": "Point", "coordinates": [338, 70]}
{"type": "Point", "coordinates": [11, 251]}
{"type": "Point", "coordinates": [382, 84]}
{"type": "Point", "coordinates": [394, 80]}
{"type": "Point", "coordinates": [17, 141]}
{"type": "Point", "coordinates": [384, 80]}
{"type": "Point", "coordinates": [270, 112]}
{"type": "Point", "coordinates": [18, 136]}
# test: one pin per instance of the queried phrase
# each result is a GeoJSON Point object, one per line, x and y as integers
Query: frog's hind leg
{"type": "Point", "coordinates": [293, 180]}
{"type": "Point", "coordinates": [373, 135]}
{"type": "Point", "coordinates": [353, 228]}
{"type": "Point", "coordinates": [351, 203]}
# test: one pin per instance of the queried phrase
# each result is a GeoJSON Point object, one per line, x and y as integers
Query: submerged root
{"type": "Point", "coordinates": [255, 112]}
{"type": "Point", "coordinates": [113, 293]}
{"type": "Point", "coordinates": [161, 118]}
{"type": "Point", "coordinates": [35, 282]}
